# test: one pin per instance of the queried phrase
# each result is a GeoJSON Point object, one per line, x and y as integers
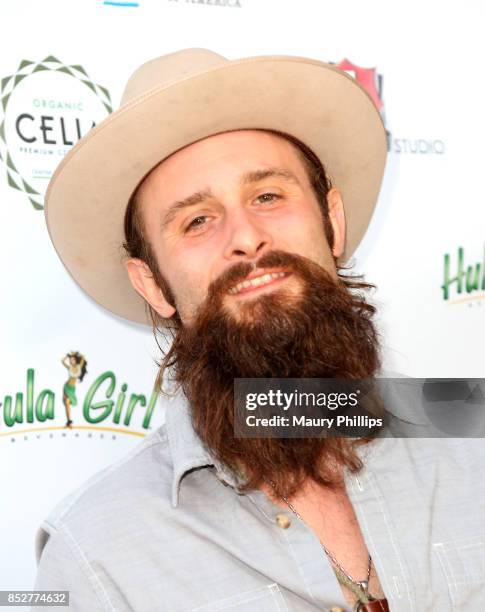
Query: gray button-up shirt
{"type": "Point", "coordinates": [166, 529]}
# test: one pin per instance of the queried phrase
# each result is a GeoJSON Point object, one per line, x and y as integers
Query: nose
{"type": "Point", "coordinates": [247, 239]}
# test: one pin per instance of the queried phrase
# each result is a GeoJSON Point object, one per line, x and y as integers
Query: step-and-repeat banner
{"type": "Point", "coordinates": [63, 67]}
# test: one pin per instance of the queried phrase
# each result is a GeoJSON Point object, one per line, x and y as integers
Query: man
{"type": "Point", "coordinates": [220, 173]}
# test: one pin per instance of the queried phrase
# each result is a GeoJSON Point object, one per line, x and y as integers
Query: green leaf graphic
{"type": "Point", "coordinates": [24, 63]}
{"type": "Point", "coordinates": [64, 69]}
{"type": "Point", "coordinates": [90, 85]}
{"type": "Point", "coordinates": [36, 205]}
{"type": "Point", "coordinates": [106, 92]}
{"type": "Point", "coordinates": [79, 69]}
{"type": "Point", "coordinates": [5, 81]}
{"type": "Point", "coordinates": [11, 182]}
{"type": "Point", "coordinates": [5, 100]}
{"type": "Point", "coordinates": [51, 58]}
{"type": "Point", "coordinates": [29, 189]}
{"type": "Point", "coordinates": [10, 163]}
{"type": "Point", "coordinates": [18, 78]}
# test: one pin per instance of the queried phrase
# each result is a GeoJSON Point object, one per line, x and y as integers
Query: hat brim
{"type": "Point", "coordinates": [315, 102]}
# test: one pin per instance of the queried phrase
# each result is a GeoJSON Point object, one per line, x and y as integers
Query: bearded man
{"type": "Point", "coordinates": [217, 178]}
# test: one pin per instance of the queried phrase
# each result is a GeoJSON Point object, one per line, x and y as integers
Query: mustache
{"type": "Point", "coordinates": [238, 272]}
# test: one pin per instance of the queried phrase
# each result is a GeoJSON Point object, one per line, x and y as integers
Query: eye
{"type": "Point", "coordinates": [195, 223]}
{"type": "Point", "coordinates": [267, 198]}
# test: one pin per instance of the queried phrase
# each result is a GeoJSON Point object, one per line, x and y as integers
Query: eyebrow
{"type": "Point", "coordinates": [259, 175]}
{"type": "Point", "coordinates": [248, 178]}
{"type": "Point", "coordinates": [196, 198]}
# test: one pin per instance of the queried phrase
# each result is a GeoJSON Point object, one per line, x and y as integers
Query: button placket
{"type": "Point", "coordinates": [304, 550]}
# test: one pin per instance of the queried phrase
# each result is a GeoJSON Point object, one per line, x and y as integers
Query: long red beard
{"type": "Point", "coordinates": [325, 331]}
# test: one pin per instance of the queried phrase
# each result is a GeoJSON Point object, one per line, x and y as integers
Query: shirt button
{"type": "Point", "coordinates": [282, 520]}
{"type": "Point", "coordinates": [336, 609]}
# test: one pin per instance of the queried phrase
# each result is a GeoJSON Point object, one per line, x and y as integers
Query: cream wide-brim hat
{"type": "Point", "coordinates": [177, 99]}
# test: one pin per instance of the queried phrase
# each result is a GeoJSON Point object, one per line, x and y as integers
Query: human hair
{"type": "Point", "coordinates": [80, 360]}
{"type": "Point", "coordinates": [137, 245]}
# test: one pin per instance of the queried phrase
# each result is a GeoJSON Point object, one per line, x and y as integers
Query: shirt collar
{"type": "Point", "coordinates": [186, 448]}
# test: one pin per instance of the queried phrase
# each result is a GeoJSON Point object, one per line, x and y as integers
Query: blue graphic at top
{"type": "Point", "coordinates": [120, 3]}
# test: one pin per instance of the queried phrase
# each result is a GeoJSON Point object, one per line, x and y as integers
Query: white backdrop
{"type": "Point", "coordinates": [428, 57]}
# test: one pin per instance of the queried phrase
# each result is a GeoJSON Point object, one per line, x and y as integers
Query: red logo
{"type": "Point", "coordinates": [370, 80]}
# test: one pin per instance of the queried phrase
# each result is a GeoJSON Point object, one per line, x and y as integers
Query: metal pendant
{"type": "Point", "coordinates": [364, 585]}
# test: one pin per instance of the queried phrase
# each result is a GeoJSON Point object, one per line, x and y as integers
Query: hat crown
{"type": "Point", "coordinates": [181, 98]}
{"type": "Point", "coordinates": [169, 68]}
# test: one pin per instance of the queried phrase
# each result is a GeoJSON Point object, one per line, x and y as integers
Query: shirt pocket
{"type": "Point", "coordinates": [462, 561]}
{"type": "Point", "coordinates": [268, 598]}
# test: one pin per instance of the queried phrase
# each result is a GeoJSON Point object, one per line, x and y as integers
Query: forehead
{"type": "Point", "coordinates": [221, 158]}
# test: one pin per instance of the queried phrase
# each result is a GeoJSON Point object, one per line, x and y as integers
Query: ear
{"type": "Point", "coordinates": [337, 219]}
{"type": "Point", "coordinates": [143, 283]}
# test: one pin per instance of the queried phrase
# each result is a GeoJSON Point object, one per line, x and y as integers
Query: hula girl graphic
{"type": "Point", "coordinates": [76, 365]}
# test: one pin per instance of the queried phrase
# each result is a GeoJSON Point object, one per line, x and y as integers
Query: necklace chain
{"type": "Point", "coordinates": [358, 588]}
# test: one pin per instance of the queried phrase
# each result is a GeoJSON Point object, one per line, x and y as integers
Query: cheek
{"type": "Point", "coordinates": [305, 235]}
{"type": "Point", "coordinates": [187, 268]}
{"type": "Point", "coordinates": [185, 283]}
{"type": "Point", "coordinates": [180, 269]}
{"type": "Point", "coordinates": [188, 287]}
